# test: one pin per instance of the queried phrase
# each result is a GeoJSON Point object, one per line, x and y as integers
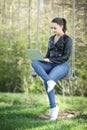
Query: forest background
{"type": "Point", "coordinates": [18, 31]}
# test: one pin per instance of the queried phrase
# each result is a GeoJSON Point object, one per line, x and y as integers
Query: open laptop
{"type": "Point", "coordinates": [34, 54]}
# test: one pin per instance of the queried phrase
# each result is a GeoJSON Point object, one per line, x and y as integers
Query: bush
{"type": "Point", "coordinates": [13, 64]}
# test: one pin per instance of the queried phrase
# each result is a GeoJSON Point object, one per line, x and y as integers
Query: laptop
{"type": "Point", "coordinates": [34, 54]}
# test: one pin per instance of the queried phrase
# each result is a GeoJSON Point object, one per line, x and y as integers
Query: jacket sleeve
{"type": "Point", "coordinates": [66, 53]}
{"type": "Point", "coordinates": [47, 54]}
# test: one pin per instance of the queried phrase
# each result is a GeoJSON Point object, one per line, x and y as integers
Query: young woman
{"type": "Point", "coordinates": [56, 62]}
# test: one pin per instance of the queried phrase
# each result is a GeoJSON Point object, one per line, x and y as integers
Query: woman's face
{"type": "Point", "coordinates": [56, 28]}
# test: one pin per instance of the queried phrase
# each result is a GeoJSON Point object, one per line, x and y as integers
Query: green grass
{"type": "Point", "coordinates": [19, 113]}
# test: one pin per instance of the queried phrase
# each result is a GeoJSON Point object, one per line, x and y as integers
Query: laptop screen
{"type": "Point", "coordinates": [34, 54]}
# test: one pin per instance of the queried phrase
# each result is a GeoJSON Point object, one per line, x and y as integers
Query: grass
{"type": "Point", "coordinates": [19, 113]}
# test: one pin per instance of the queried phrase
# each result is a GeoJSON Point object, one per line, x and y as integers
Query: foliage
{"type": "Point", "coordinates": [81, 67]}
{"type": "Point", "coordinates": [18, 31]}
{"type": "Point", "coordinates": [13, 65]}
{"type": "Point", "coordinates": [36, 85]}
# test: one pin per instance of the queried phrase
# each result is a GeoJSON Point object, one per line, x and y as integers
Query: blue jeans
{"type": "Point", "coordinates": [51, 71]}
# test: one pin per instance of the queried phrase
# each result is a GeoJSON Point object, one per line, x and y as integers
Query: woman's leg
{"type": "Point", "coordinates": [51, 96]}
{"type": "Point", "coordinates": [42, 69]}
{"type": "Point", "coordinates": [56, 74]}
{"type": "Point", "coordinates": [54, 110]}
{"type": "Point", "coordinates": [59, 71]}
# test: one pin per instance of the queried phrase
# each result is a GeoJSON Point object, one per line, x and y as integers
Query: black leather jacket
{"type": "Point", "coordinates": [60, 51]}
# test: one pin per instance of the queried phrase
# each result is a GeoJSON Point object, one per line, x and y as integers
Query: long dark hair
{"type": "Point", "coordinates": [60, 21]}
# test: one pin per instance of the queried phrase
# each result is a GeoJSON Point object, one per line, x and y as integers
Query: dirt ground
{"type": "Point", "coordinates": [63, 115]}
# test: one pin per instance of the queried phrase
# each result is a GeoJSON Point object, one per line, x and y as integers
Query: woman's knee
{"type": "Point", "coordinates": [34, 63]}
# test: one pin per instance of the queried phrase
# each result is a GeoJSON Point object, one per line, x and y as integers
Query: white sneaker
{"type": "Point", "coordinates": [51, 84]}
{"type": "Point", "coordinates": [54, 113]}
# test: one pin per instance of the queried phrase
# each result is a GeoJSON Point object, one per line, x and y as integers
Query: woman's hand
{"type": "Point", "coordinates": [46, 59]}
